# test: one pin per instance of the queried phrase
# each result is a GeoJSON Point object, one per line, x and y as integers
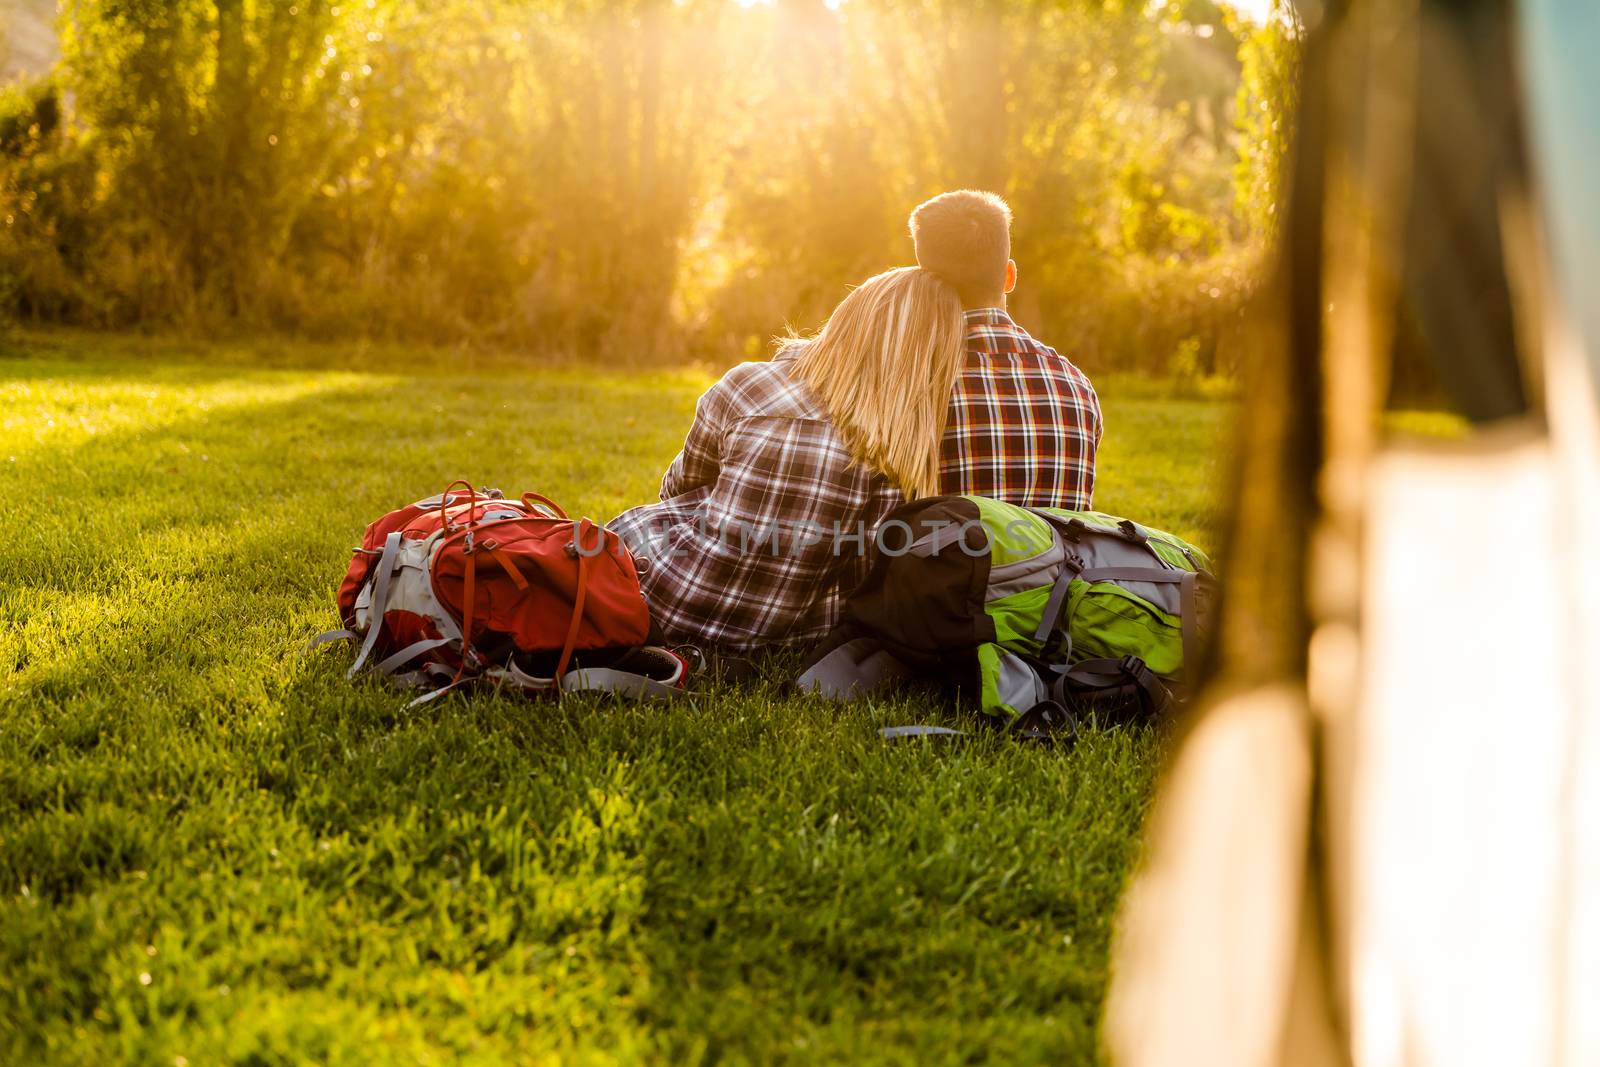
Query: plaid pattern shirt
{"type": "Point", "coordinates": [1024, 423]}
{"type": "Point", "coordinates": [763, 518]}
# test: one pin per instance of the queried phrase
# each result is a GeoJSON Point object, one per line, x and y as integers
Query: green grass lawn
{"type": "Point", "coordinates": [214, 849]}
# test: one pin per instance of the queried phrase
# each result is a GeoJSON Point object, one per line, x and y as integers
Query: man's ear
{"type": "Point", "coordinates": [1011, 275]}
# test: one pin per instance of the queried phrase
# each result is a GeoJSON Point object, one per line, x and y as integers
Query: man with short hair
{"type": "Point", "coordinates": [1024, 423]}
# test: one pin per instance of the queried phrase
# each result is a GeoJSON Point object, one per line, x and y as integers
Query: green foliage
{"type": "Point", "coordinates": [42, 188]}
{"type": "Point", "coordinates": [640, 178]}
{"type": "Point", "coordinates": [29, 117]}
{"type": "Point", "coordinates": [1270, 70]}
{"type": "Point", "coordinates": [213, 125]}
{"type": "Point", "coordinates": [214, 847]}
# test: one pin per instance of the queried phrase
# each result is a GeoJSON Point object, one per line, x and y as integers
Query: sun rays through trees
{"type": "Point", "coordinates": [644, 179]}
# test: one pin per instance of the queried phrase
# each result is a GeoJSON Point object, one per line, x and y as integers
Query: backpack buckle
{"type": "Point", "coordinates": [467, 543]}
{"type": "Point", "coordinates": [1133, 667]}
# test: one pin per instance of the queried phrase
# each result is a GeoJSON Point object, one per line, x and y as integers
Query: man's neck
{"type": "Point", "coordinates": [998, 304]}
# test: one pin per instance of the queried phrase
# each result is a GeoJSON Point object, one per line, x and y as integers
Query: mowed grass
{"type": "Point", "coordinates": [214, 849]}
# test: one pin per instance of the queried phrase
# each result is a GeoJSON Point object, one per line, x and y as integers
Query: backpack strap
{"type": "Point", "coordinates": [509, 565]}
{"type": "Point", "coordinates": [1155, 575]}
{"type": "Point", "coordinates": [623, 683]}
{"type": "Point", "coordinates": [1189, 625]}
{"type": "Point", "coordinates": [1128, 676]}
{"type": "Point", "coordinates": [895, 733]}
{"type": "Point", "coordinates": [628, 678]}
{"type": "Point", "coordinates": [1186, 581]}
{"type": "Point", "coordinates": [939, 540]}
{"type": "Point", "coordinates": [1048, 722]}
{"type": "Point", "coordinates": [1131, 532]}
{"type": "Point", "coordinates": [380, 599]}
{"type": "Point", "coordinates": [1071, 568]}
{"type": "Point", "coordinates": [409, 653]}
{"type": "Point", "coordinates": [583, 680]}
{"type": "Point", "coordinates": [447, 502]}
{"type": "Point", "coordinates": [577, 599]}
{"type": "Point", "coordinates": [332, 635]}
{"type": "Point", "coordinates": [540, 502]}
{"type": "Point", "coordinates": [851, 671]}
{"type": "Point", "coordinates": [428, 698]}
{"type": "Point", "coordinates": [1072, 531]}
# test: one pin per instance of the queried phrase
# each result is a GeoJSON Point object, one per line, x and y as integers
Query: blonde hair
{"type": "Point", "coordinates": [883, 368]}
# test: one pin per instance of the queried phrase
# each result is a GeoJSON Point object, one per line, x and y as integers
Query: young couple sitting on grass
{"type": "Point", "coordinates": [920, 384]}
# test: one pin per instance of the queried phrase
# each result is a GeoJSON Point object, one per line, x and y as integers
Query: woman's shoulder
{"type": "Point", "coordinates": [766, 388]}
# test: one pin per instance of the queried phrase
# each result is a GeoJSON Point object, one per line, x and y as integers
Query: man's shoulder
{"type": "Point", "coordinates": [1067, 366]}
{"type": "Point", "coordinates": [1033, 346]}
{"type": "Point", "coordinates": [1021, 343]}
{"type": "Point", "coordinates": [1038, 348]}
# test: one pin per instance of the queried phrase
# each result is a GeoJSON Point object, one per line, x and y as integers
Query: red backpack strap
{"type": "Point", "coordinates": [571, 642]}
{"type": "Point", "coordinates": [509, 565]}
{"type": "Point", "coordinates": [538, 501]}
{"type": "Point", "coordinates": [469, 596]}
{"type": "Point", "coordinates": [444, 502]}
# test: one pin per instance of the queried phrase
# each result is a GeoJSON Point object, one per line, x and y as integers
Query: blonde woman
{"type": "Point", "coordinates": [790, 465]}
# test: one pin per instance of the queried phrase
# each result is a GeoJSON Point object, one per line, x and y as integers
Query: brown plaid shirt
{"type": "Point", "coordinates": [1024, 423]}
{"type": "Point", "coordinates": [763, 517]}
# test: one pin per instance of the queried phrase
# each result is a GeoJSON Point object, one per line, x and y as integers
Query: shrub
{"type": "Point", "coordinates": [643, 178]}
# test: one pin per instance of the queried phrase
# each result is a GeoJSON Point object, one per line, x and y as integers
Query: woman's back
{"type": "Point", "coordinates": [763, 517]}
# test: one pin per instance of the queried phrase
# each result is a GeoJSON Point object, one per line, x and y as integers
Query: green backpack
{"type": "Point", "coordinates": [1030, 609]}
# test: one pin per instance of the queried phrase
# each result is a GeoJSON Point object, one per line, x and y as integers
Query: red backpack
{"type": "Point", "coordinates": [472, 586]}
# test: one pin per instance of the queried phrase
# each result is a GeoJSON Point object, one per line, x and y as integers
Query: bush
{"type": "Point", "coordinates": [642, 178]}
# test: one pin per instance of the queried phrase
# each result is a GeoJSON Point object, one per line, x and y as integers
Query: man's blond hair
{"type": "Point", "coordinates": [883, 369]}
{"type": "Point", "coordinates": [965, 238]}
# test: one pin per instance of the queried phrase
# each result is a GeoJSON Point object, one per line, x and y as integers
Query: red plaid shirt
{"type": "Point", "coordinates": [763, 518]}
{"type": "Point", "coordinates": [1024, 423]}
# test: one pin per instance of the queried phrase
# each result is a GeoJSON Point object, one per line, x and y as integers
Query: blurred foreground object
{"type": "Point", "coordinates": [1378, 843]}
{"type": "Point", "coordinates": [27, 38]}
